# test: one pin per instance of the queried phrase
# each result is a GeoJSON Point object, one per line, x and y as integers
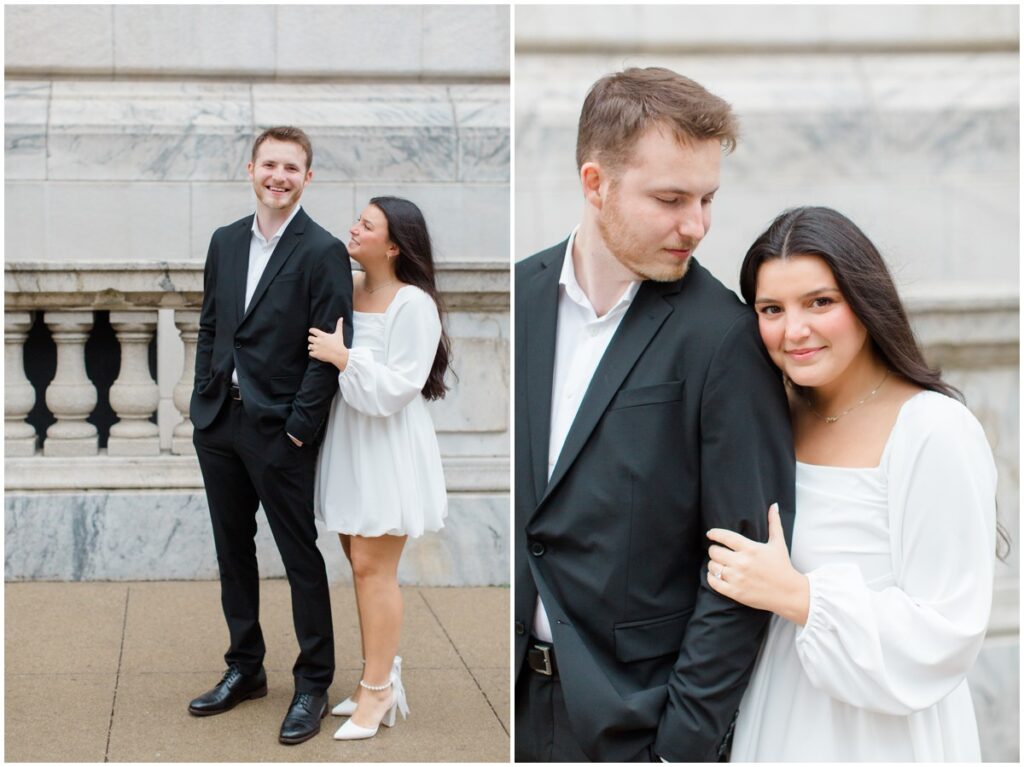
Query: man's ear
{"type": "Point", "coordinates": [593, 179]}
{"type": "Point", "coordinates": [249, 169]}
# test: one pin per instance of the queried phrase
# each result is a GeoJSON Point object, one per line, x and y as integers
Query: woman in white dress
{"type": "Point", "coordinates": [379, 479]}
{"type": "Point", "coordinates": [882, 608]}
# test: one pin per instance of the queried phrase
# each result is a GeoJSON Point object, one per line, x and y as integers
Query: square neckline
{"type": "Point", "coordinates": [885, 448]}
{"type": "Point", "coordinates": [381, 314]}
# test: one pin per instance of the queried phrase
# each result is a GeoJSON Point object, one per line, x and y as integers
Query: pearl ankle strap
{"type": "Point", "coordinates": [375, 687]}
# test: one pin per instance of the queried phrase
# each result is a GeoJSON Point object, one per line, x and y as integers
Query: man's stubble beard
{"type": "Point", "coordinates": [615, 233]}
{"type": "Point", "coordinates": [274, 203]}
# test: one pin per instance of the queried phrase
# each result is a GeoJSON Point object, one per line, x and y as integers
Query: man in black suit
{"type": "Point", "coordinates": [258, 406]}
{"type": "Point", "coordinates": [647, 412]}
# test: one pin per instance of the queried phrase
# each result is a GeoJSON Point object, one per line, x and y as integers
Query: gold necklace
{"type": "Point", "coordinates": [374, 290]}
{"type": "Point", "coordinates": [834, 418]}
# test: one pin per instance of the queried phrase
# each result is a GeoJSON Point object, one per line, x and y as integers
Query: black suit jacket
{"type": "Point", "coordinates": [307, 283]}
{"type": "Point", "coordinates": [684, 427]}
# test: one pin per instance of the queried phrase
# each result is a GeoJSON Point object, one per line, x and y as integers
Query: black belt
{"type": "Point", "coordinates": [234, 393]}
{"type": "Point", "coordinates": [541, 657]}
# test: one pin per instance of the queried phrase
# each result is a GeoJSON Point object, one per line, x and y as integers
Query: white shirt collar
{"type": "Point", "coordinates": [256, 228]}
{"type": "Point", "coordinates": [567, 279]}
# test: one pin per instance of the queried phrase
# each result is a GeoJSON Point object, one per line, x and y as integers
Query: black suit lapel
{"type": "Point", "coordinates": [644, 317]}
{"type": "Point", "coordinates": [285, 247]}
{"type": "Point", "coordinates": [541, 306]}
{"type": "Point", "coordinates": [240, 268]}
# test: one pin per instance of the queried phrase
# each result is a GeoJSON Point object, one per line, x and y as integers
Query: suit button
{"type": "Point", "coordinates": [537, 549]}
{"type": "Point", "coordinates": [238, 345]}
{"type": "Point", "coordinates": [520, 628]}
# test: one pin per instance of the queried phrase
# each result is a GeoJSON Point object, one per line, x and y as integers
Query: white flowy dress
{"type": "Point", "coordinates": [380, 469]}
{"type": "Point", "coordinates": [900, 560]}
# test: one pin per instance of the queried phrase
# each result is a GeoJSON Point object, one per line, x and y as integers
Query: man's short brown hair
{"type": "Point", "coordinates": [620, 107]}
{"type": "Point", "coordinates": [286, 133]}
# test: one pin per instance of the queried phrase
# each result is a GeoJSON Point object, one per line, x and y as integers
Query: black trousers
{"type": "Point", "coordinates": [241, 469]}
{"type": "Point", "coordinates": [542, 722]}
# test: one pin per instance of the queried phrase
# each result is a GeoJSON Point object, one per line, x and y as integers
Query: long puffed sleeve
{"type": "Point", "coordinates": [903, 648]}
{"type": "Point", "coordinates": [412, 332]}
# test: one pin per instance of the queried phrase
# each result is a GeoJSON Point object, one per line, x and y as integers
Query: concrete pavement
{"type": "Point", "coordinates": [104, 672]}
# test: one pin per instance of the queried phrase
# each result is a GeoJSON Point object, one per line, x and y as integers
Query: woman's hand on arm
{"type": "Point", "coordinates": [329, 347]}
{"type": "Point", "coordinates": [759, 575]}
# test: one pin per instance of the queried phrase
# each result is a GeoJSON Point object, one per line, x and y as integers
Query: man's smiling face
{"type": "Point", "coordinates": [279, 173]}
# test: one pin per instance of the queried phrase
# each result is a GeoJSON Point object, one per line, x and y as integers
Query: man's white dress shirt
{"type": "Point", "coordinates": [260, 251]}
{"type": "Point", "coordinates": [581, 341]}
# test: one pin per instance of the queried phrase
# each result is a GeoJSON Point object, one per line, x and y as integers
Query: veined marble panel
{"type": "Point", "coordinates": [920, 150]}
{"type": "Point", "coordinates": [195, 39]}
{"type": "Point", "coordinates": [399, 154]}
{"type": "Point", "coordinates": [59, 38]}
{"type": "Point", "coordinates": [136, 131]}
{"type": "Point", "coordinates": [26, 104]}
{"type": "Point", "coordinates": [809, 113]}
{"type": "Point", "coordinates": [352, 106]}
{"type": "Point", "coordinates": [484, 140]}
{"type": "Point", "coordinates": [167, 536]}
{"type": "Point", "coordinates": [355, 139]}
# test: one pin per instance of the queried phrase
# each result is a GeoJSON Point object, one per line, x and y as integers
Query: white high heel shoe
{"type": "Point", "coordinates": [352, 731]}
{"type": "Point", "coordinates": [348, 706]}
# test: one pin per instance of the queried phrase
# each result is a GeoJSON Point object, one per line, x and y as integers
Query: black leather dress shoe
{"type": "Point", "coordinates": [233, 688]}
{"type": "Point", "coordinates": [302, 721]}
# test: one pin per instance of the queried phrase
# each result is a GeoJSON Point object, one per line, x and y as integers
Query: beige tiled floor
{"type": "Point", "coordinates": [104, 672]}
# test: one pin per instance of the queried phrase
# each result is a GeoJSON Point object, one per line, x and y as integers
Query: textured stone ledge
{"type": "Point", "coordinates": [463, 474]}
{"type": "Point", "coordinates": [698, 28]}
{"type": "Point", "coordinates": [966, 326]}
{"type": "Point", "coordinates": [479, 286]}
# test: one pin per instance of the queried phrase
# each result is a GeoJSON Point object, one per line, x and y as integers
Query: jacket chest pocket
{"type": "Point", "coordinates": [655, 394]}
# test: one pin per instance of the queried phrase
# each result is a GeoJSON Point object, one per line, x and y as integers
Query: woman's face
{"type": "Point", "coordinates": [369, 239]}
{"type": "Point", "coordinates": [806, 325]}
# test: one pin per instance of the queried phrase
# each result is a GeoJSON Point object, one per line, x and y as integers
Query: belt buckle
{"type": "Point", "coordinates": [546, 655]}
{"type": "Point", "coordinates": [236, 393]}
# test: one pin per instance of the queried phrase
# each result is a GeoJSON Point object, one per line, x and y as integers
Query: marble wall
{"type": "Point", "coordinates": [259, 41]}
{"type": "Point", "coordinates": [145, 535]}
{"type": "Point", "coordinates": [127, 133]}
{"type": "Point", "coordinates": [905, 118]}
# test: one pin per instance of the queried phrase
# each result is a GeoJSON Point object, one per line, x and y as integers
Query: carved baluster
{"type": "Point", "coordinates": [70, 396]}
{"type": "Point", "coordinates": [187, 322]}
{"type": "Point", "coordinates": [134, 396]}
{"type": "Point", "coordinates": [19, 396]}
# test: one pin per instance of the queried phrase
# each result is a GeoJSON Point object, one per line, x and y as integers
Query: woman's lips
{"type": "Point", "coordinates": [801, 355]}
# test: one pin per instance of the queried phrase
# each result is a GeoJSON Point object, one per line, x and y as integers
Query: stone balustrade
{"type": "Point", "coordinates": [134, 293]}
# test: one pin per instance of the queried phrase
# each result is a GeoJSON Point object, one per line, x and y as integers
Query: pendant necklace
{"type": "Point", "coordinates": [834, 418]}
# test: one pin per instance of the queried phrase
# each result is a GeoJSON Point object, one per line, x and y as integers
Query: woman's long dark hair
{"type": "Point", "coordinates": [864, 281]}
{"type": "Point", "coordinates": [415, 266]}
{"type": "Point", "coordinates": [862, 278]}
